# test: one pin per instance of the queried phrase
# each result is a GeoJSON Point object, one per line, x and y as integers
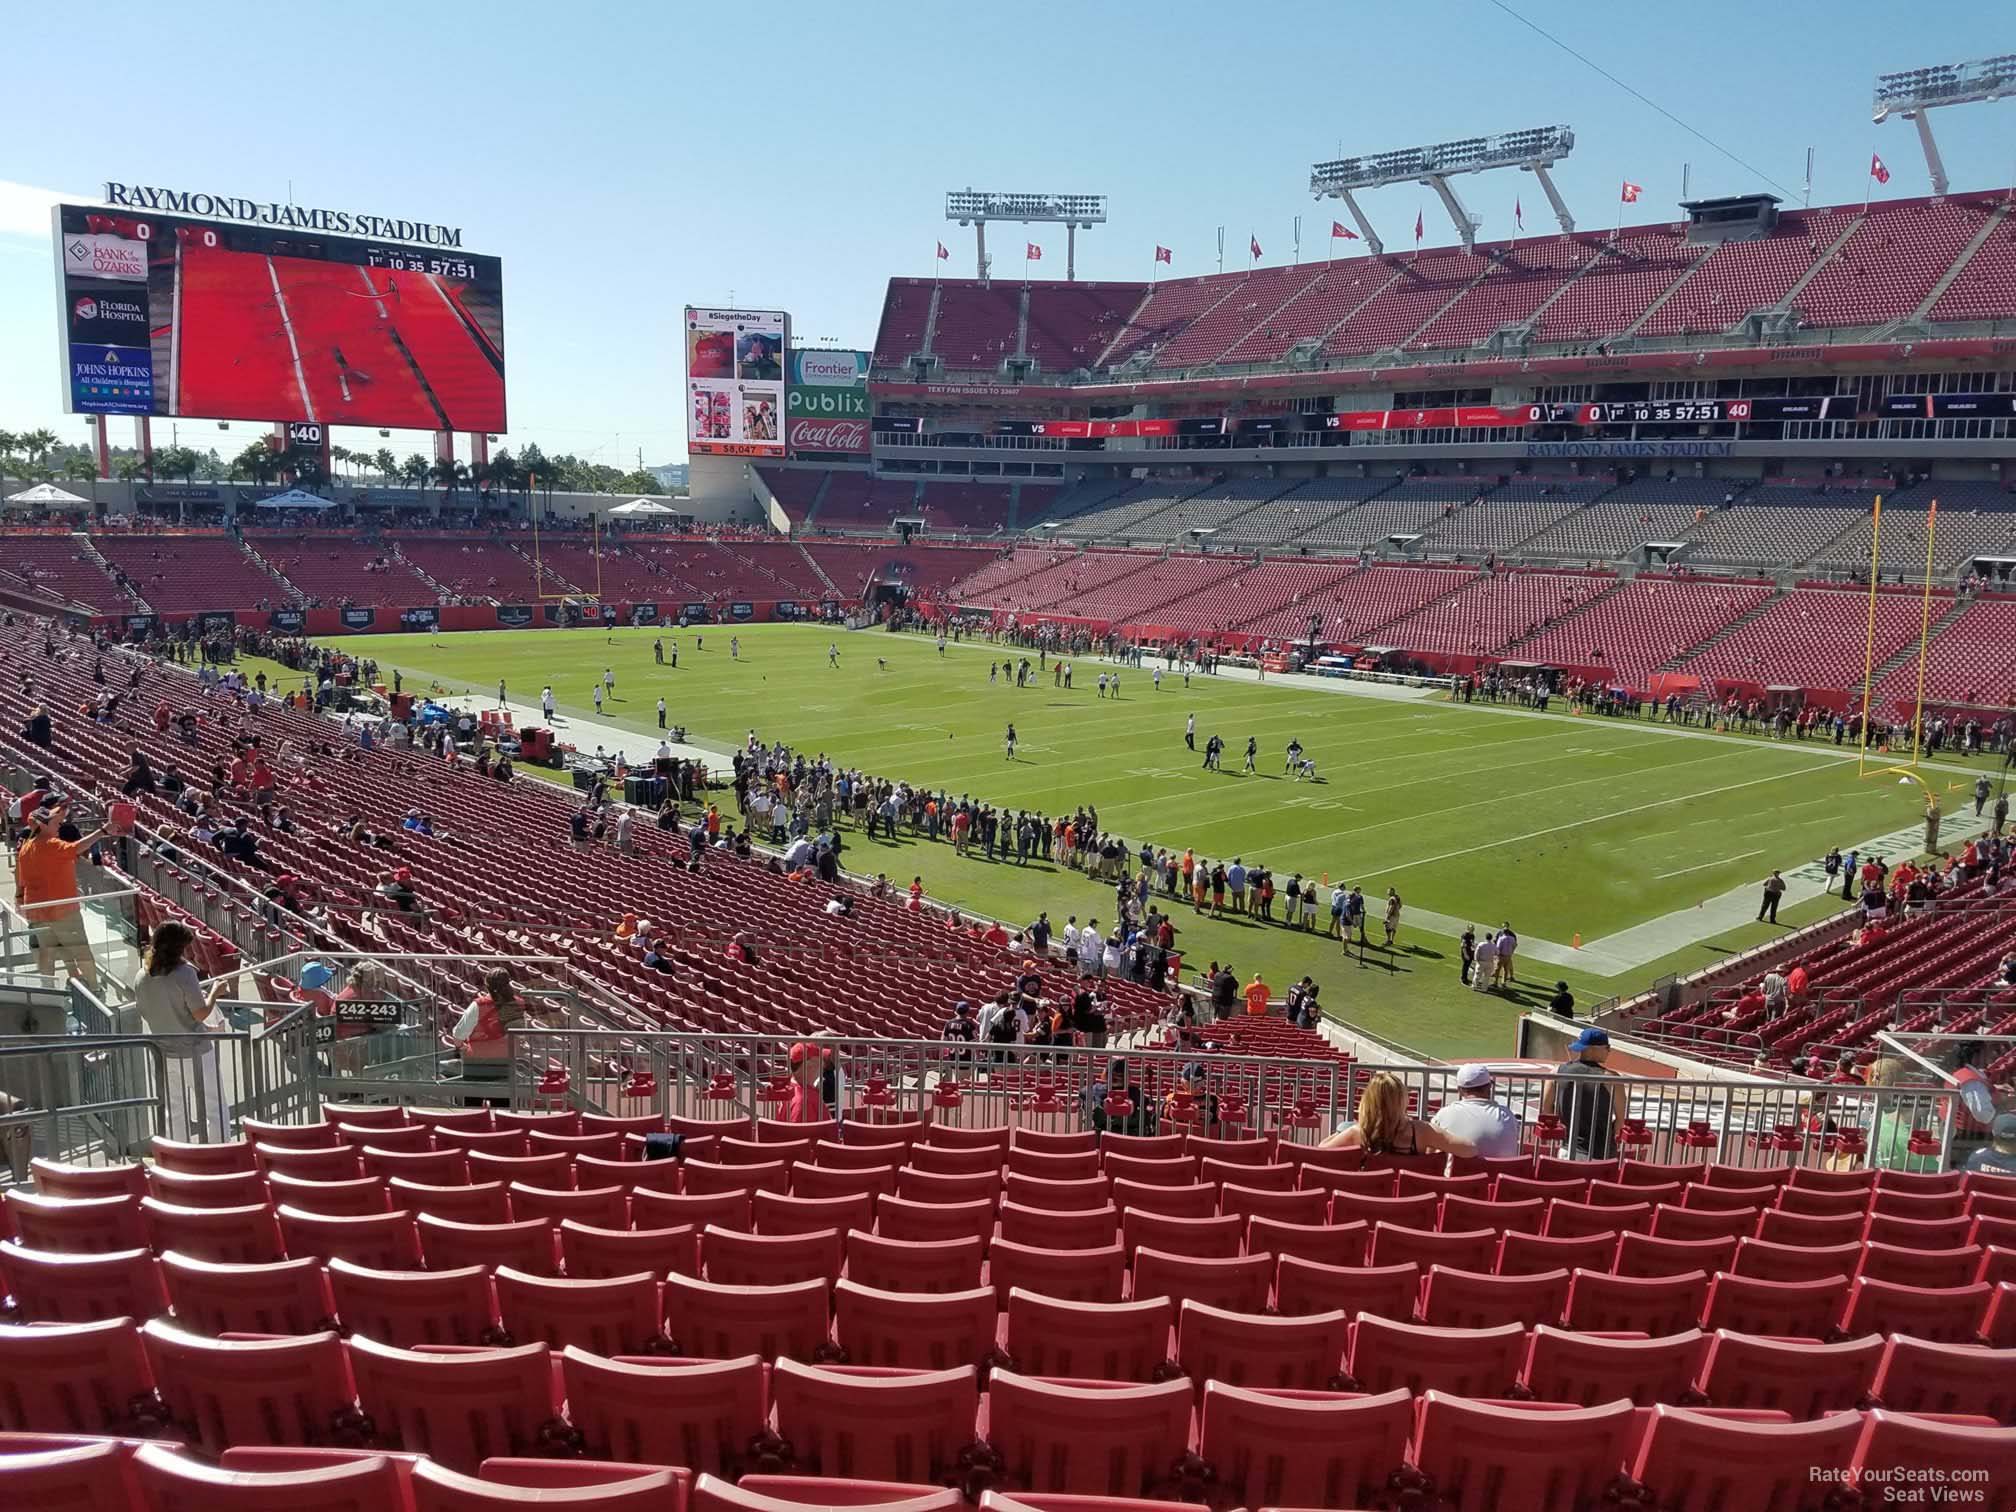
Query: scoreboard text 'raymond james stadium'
{"type": "Point", "coordinates": [273, 213]}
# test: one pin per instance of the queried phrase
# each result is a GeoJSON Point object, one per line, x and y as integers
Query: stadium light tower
{"type": "Point", "coordinates": [1533, 151]}
{"type": "Point", "coordinates": [1916, 93]}
{"type": "Point", "coordinates": [1074, 212]}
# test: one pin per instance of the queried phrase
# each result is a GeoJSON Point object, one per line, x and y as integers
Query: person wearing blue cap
{"type": "Point", "coordinates": [1583, 1099]}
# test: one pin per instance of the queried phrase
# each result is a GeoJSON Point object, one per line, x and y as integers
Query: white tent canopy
{"type": "Point", "coordinates": [643, 507]}
{"type": "Point", "coordinates": [48, 496]}
{"type": "Point", "coordinates": [296, 498]}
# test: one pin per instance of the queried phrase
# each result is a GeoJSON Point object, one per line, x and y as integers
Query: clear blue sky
{"type": "Point", "coordinates": [626, 159]}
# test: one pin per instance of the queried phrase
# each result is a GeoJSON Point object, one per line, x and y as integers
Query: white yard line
{"type": "Point", "coordinates": [1705, 865]}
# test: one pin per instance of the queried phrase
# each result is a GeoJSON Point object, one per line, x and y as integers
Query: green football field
{"type": "Point", "coordinates": [1569, 828]}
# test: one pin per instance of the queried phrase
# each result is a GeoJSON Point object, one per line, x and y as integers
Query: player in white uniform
{"type": "Point", "coordinates": [832, 654]}
{"type": "Point", "coordinates": [1011, 742]}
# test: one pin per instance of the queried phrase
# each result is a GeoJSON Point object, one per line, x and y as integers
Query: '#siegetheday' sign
{"type": "Point", "coordinates": [273, 213]}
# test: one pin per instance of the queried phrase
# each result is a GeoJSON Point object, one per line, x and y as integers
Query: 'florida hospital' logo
{"type": "Point", "coordinates": [86, 308]}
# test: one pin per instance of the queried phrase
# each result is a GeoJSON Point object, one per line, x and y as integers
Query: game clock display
{"type": "Point", "coordinates": [175, 316]}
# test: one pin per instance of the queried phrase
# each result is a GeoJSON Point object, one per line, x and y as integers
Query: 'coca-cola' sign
{"type": "Point", "coordinates": [810, 434]}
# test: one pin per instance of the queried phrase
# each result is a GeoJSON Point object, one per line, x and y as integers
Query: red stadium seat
{"type": "Point", "coordinates": [270, 1391]}
{"type": "Point", "coordinates": [823, 1183]}
{"type": "Point", "coordinates": [1589, 1369]}
{"type": "Point", "coordinates": [1482, 1454]}
{"type": "Point", "coordinates": [554, 1170]}
{"type": "Point", "coordinates": [1048, 1228]}
{"type": "Point", "coordinates": [413, 1308]}
{"type": "Point", "coordinates": [1956, 1455]}
{"type": "Point", "coordinates": [592, 1254]}
{"type": "Point", "coordinates": [1304, 1353]}
{"type": "Point", "coordinates": [285, 1297]}
{"type": "Point", "coordinates": [1327, 1243]}
{"type": "Point", "coordinates": [407, 1138]}
{"type": "Point", "coordinates": [1643, 1255]}
{"type": "Point", "coordinates": [1821, 1202]}
{"type": "Point", "coordinates": [1918, 1233]}
{"type": "Point", "coordinates": [1811, 1230]}
{"type": "Point", "coordinates": [242, 1235]}
{"type": "Point", "coordinates": [907, 1425]}
{"type": "Point", "coordinates": [83, 1477]}
{"type": "Point", "coordinates": [358, 1197]}
{"type": "Point", "coordinates": [1654, 1305]}
{"type": "Point", "coordinates": [53, 1178]}
{"type": "Point", "coordinates": [1795, 1262]}
{"type": "Point", "coordinates": [728, 1210]}
{"type": "Point", "coordinates": [1308, 1286]}
{"type": "Point", "coordinates": [915, 1185]}
{"type": "Point", "coordinates": [786, 1493]}
{"type": "Point", "coordinates": [171, 1482]}
{"type": "Point", "coordinates": [643, 1489]}
{"type": "Point", "coordinates": [222, 1189]}
{"type": "Point", "coordinates": [704, 1415]}
{"type": "Point", "coordinates": [1697, 1462]}
{"type": "Point", "coordinates": [1422, 1211]}
{"type": "Point", "coordinates": [914, 1330]}
{"type": "Point", "coordinates": [1947, 1315]}
{"type": "Point", "coordinates": [1523, 1254]}
{"type": "Point", "coordinates": [1475, 1250]}
{"type": "Point", "coordinates": [1198, 1200]}
{"type": "Point", "coordinates": [76, 1225]}
{"type": "Point", "coordinates": [291, 1136]}
{"type": "Point", "coordinates": [1573, 1220]}
{"type": "Point", "coordinates": [736, 1259]}
{"type": "Point", "coordinates": [1079, 1165]}
{"type": "Point", "coordinates": [1202, 1238]}
{"type": "Point", "coordinates": [337, 1162]}
{"type": "Point", "coordinates": [896, 1218]}
{"type": "Point", "coordinates": [615, 1316]}
{"type": "Point", "coordinates": [942, 1265]}
{"type": "Point", "coordinates": [77, 1378]}
{"type": "Point", "coordinates": [1310, 1450]}
{"type": "Point", "coordinates": [1706, 1197]}
{"type": "Point", "coordinates": [1075, 1275]}
{"type": "Point", "coordinates": [51, 1287]}
{"type": "Point", "coordinates": [1077, 1142]}
{"type": "Point", "coordinates": [1798, 1309]}
{"type": "Point", "coordinates": [1177, 1170]}
{"type": "Point", "coordinates": [457, 1408]}
{"type": "Point", "coordinates": [1460, 1213]}
{"type": "Point", "coordinates": [604, 1207]}
{"type": "Point", "coordinates": [480, 1202]}
{"type": "Point", "coordinates": [1117, 1341]}
{"type": "Point", "coordinates": [230, 1157]}
{"type": "Point", "coordinates": [1238, 1284]}
{"type": "Point", "coordinates": [1303, 1206]}
{"type": "Point", "coordinates": [526, 1246]}
{"type": "Point", "coordinates": [1696, 1225]}
{"type": "Point", "coordinates": [1099, 1440]}
{"type": "Point", "coordinates": [1479, 1299]}
{"type": "Point", "coordinates": [1475, 1362]}
{"type": "Point", "coordinates": [720, 1322]}
{"type": "Point", "coordinates": [1804, 1380]}
{"type": "Point", "coordinates": [1919, 1376]}
{"type": "Point", "coordinates": [384, 1241]}
{"type": "Point", "coordinates": [1921, 1268]}
{"type": "Point", "coordinates": [777, 1215]}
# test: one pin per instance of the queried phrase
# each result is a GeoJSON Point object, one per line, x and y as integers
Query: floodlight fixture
{"type": "Point", "coordinates": [1074, 212]}
{"type": "Point", "coordinates": [1915, 93]}
{"type": "Point", "coordinates": [1534, 150]}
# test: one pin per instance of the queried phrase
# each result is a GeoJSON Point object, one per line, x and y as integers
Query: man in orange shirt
{"type": "Point", "coordinates": [1257, 993]}
{"type": "Point", "coordinates": [45, 875]}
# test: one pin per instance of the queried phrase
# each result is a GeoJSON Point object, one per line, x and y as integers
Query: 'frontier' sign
{"type": "Point", "coordinates": [272, 213]}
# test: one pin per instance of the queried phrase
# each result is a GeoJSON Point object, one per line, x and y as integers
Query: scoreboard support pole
{"type": "Point", "coordinates": [479, 450]}
{"type": "Point", "coordinates": [103, 444]}
{"type": "Point", "coordinates": [143, 442]}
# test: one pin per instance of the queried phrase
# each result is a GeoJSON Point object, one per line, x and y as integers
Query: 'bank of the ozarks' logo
{"type": "Point", "coordinates": [829, 435]}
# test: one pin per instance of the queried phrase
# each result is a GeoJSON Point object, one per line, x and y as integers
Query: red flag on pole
{"type": "Point", "coordinates": [1163, 254]}
{"type": "Point", "coordinates": [1518, 215]}
{"type": "Point", "coordinates": [1417, 228]}
{"type": "Point", "coordinates": [1338, 228]}
{"type": "Point", "coordinates": [1877, 171]}
{"type": "Point", "coordinates": [1254, 242]}
{"type": "Point", "coordinates": [1032, 252]}
{"type": "Point", "coordinates": [1631, 192]}
{"type": "Point", "coordinates": [942, 253]}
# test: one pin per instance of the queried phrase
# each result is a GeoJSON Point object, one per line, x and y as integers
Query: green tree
{"type": "Point", "coordinates": [79, 469]}
{"type": "Point", "coordinates": [450, 474]}
{"type": "Point", "coordinates": [386, 463]}
{"type": "Point", "coordinates": [130, 469]}
{"type": "Point", "coordinates": [10, 445]}
{"type": "Point", "coordinates": [36, 445]}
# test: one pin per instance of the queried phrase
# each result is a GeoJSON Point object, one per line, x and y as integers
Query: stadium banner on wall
{"type": "Point", "coordinates": [1653, 449]}
{"type": "Point", "coordinates": [154, 323]}
{"type": "Point", "coordinates": [358, 616]}
{"type": "Point", "coordinates": [607, 614]}
{"type": "Point", "coordinates": [140, 624]}
{"type": "Point", "coordinates": [290, 620]}
{"type": "Point", "coordinates": [741, 611]}
{"type": "Point", "coordinates": [514, 616]}
{"type": "Point", "coordinates": [643, 614]}
{"type": "Point", "coordinates": [784, 609]}
{"type": "Point", "coordinates": [555, 614]}
{"type": "Point", "coordinates": [424, 618]}
{"type": "Point", "coordinates": [216, 621]}
{"type": "Point", "coordinates": [695, 614]}
{"type": "Point", "coordinates": [827, 403]}
{"type": "Point", "coordinates": [735, 381]}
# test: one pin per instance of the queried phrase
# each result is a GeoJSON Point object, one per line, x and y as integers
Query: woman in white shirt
{"type": "Point", "coordinates": [170, 1001]}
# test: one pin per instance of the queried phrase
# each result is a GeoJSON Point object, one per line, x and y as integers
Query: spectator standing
{"type": "Point", "coordinates": [1585, 1097]}
{"type": "Point", "coordinates": [169, 1001]}
{"type": "Point", "coordinates": [46, 891]}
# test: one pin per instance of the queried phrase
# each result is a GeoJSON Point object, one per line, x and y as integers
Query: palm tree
{"type": "Point", "coordinates": [37, 444]}
{"type": "Point", "coordinates": [9, 444]}
{"type": "Point", "coordinates": [414, 473]}
{"type": "Point", "coordinates": [130, 469]}
{"type": "Point", "coordinates": [386, 463]}
{"type": "Point", "coordinates": [80, 469]}
{"type": "Point", "coordinates": [451, 475]}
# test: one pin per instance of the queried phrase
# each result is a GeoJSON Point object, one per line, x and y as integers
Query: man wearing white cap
{"type": "Point", "coordinates": [1474, 1116]}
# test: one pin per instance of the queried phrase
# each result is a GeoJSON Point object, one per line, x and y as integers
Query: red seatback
{"type": "Point", "coordinates": [909, 1425]}
{"type": "Point", "coordinates": [592, 1253]}
{"type": "Point", "coordinates": [1483, 1456]}
{"type": "Point", "coordinates": [1801, 1309]}
{"type": "Point", "coordinates": [1083, 1437]}
{"type": "Point", "coordinates": [618, 1315]}
{"type": "Point", "coordinates": [1563, 1366]}
{"type": "Point", "coordinates": [700, 1414]}
{"type": "Point", "coordinates": [1071, 1275]}
{"type": "Point", "coordinates": [1653, 1305]}
{"type": "Point", "coordinates": [1804, 1380]}
{"type": "Point", "coordinates": [1105, 1341]}
{"type": "Point", "coordinates": [74, 1378]}
{"type": "Point", "coordinates": [940, 1265]}
{"type": "Point", "coordinates": [269, 1391]}
{"type": "Point", "coordinates": [81, 1287]}
{"type": "Point", "coordinates": [285, 1297]}
{"type": "Point", "coordinates": [1304, 1449]}
{"type": "Point", "coordinates": [1476, 1362]}
{"type": "Point", "coordinates": [718, 1322]}
{"type": "Point", "coordinates": [456, 1408]}
{"type": "Point", "coordinates": [1304, 1353]}
{"type": "Point", "coordinates": [1693, 1462]}
{"type": "Point", "coordinates": [412, 1308]}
